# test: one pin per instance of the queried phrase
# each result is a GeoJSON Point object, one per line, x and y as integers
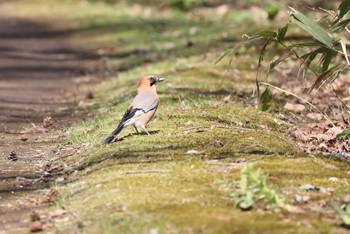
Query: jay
{"type": "Point", "coordinates": [142, 108]}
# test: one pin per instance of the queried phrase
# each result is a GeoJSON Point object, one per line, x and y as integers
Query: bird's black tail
{"type": "Point", "coordinates": [112, 136]}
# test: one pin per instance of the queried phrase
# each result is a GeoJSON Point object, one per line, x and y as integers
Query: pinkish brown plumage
{"type": "Point", "coordinates": [142, 108]}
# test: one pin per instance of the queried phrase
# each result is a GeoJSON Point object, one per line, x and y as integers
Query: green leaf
{"type": "Point", "coordinates": [309, 57]}
{"type": "Point", "coordinates": [332, 72]}
{"type": "Point", "coordinates": [261, 58]}
{"type": "Point", "coordinates": [340, 25]}
{"type": "Point", "coordinates": [344, 215]}
{"type": "Point", "coordinates": [305, 44]}
{"type": "Point", "coordinates": [343, 134]}
{"type": "Point", "coordinates": [244, 183]}
{"type": "Point", "coordinates": [247, 201]}
{"type": "Point", "coordinates": [282, 32]}
{"type": "Point", "coordinates": [327, 59]}
{"type": "Point", "coordinates": [311, 27]}
{"type": "Point", "coordinates": [265, 99]}
{"type": "Point", "coordinates": [343, 9]}
{"type": "Point", "coordinates": [227, 52]}
{"type": "Point", "coordinates": [267, 34]}
{"type": "Point", "coordinates": [347, 209]}
{"type": "Point", "coordinates": [273, 64]}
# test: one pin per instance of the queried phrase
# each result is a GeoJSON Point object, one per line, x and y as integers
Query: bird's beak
{"type": "Point", "coordinates": [160, 79]}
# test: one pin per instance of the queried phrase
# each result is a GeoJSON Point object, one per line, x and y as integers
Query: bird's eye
{"type": "Point", "coordinates": [153, 80]}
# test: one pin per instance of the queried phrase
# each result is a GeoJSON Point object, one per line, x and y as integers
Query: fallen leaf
{"type": "Point", "coordinates": [301, 198]}
{"type": "Point", "coordinates": [295, 210]}
{"type": "Point", "coordinates": [52, 195]}
{"type": "Point", "coordinates": [346, 198]}
{"type": "Point", "coordinates": [334, 131]}
{"type": "Point", "coordinates": [294, 107]}
{"type": "Point", "coordinates": [36, 226]}
{"type": "Point", "coordinates": [315, 116]}
{"type": "Point", "coordinates": [58, 213]}
{"type": "Point", "coordinates": [333, 179]}
{"type": "Point", "coordinates": [193, 152]}
{"type": "Point", "coordinates": [34, 216]}
{"type": "Point", "coordinates": [48, 122]}
{"type": "Point", "coordinates": [227, 99]}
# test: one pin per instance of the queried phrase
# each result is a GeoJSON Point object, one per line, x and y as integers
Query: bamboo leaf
{"type": "Point", "coordinates": [263, 34]}
{"type": "Point", "coordinates": [334, 71]}
{"type": "Point", "coordinates": [227, 52]}
{"type": "Point", "coordinates": [261, 58]}
{"type": "Point", "coordinates": [273, 64]}
{"type": "Point", "coordinates": [339, 26]}
{"type": "Point", "coordinates": [282, 32]}
{"type": "Point", "coordinates": [327, 59]}
{"type": "Point", "coordinates": [309, 58]}
{"type": "Point", "coordinates": [343, 134]}
{"type": "Point", "coordinates": [305, 44]}
{"type": "Point", "coordinates": [265, 99]}
{"type": "Point", "coordinates": [311, 27]}
{"type": "Point", "coordinates": [343, 8]}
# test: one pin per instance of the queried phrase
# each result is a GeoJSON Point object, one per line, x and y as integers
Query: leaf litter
{"type": "Point", "coordinates": [312, 132]}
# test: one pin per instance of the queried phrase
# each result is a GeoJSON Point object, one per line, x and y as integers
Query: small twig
{"type": "Point", "coordinates": [10, 132]}
{"type": "Point", "coordinates": [145, 171]}
{"type": "Point", "coordinates": [303, 99]}
{"type": "Point", "coordinates": [343, 46]}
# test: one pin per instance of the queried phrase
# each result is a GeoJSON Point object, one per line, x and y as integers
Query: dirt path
{"type": "Point", "coordinates": [40, 76]}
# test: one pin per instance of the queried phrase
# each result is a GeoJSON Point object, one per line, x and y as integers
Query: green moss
{"type": "Point", "coordinates": [204, 107]}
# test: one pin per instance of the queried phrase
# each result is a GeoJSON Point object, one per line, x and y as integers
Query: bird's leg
{"type": "Point", "coordinates": [144, 128]}
{"type": "Point", "coordinates": [136, 129]}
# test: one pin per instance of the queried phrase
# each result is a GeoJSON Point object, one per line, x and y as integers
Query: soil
{"type": "Point", "coordinates": [42, 79]}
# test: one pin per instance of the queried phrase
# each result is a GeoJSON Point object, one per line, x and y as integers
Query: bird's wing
{"type": "Point", "coordinates": [142, 104]}
{"type": "Point", "coordinates": [145, 102]}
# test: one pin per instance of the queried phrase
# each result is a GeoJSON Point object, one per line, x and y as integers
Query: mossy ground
{"type": "Point", "coordinates": [204, 107]}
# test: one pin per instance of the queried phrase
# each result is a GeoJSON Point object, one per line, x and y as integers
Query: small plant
{"type": "Point", "coordinates": [185, 5]}
{"type": "Point", "coordinates": [344, 134]}
{"type": "Point", "coordinates": [323, 54]}
{"type": "Point", "coordinates": [343, 214]}
{"type": "Point", "coordinates": [254, 190]}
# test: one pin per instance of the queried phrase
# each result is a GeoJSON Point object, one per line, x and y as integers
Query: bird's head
{"type": "Point", "coordinates": [150, 80]}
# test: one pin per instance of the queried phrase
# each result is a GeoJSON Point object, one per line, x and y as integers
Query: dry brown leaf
{"type": "Point", "coordinates": [315, 116]}
{"type": "Point", "coordinates": [294, 107]}
{"type": "Point", "coordinates": [36, 226]}
{"type": "Point", "coordinates": [334, 131]}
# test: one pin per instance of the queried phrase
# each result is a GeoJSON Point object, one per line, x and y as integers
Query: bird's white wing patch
{"type": "Point", "coordinates": [133, 119]}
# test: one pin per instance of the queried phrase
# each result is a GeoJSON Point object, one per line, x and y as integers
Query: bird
{"type": "Point", "coordinates": [142, 108]}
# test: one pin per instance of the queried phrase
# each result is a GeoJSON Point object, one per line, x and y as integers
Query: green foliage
{"type": "Point", "coordinates": [272, 11]}
{"type": "Point", "coordinates": [311, 27]}
{"type": "Point", "coordinates": [265, 99]}
{"type": "Point", "coordinates": [254, 190]}
{"type": "Point", "coordinates": [344, 134]}
{"type": "Point", "coordinates": [320, 55]}
{"type": "Point", "coordinates": [185, 5]}
{"type": "Point", "coordinates": [343, 214]}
